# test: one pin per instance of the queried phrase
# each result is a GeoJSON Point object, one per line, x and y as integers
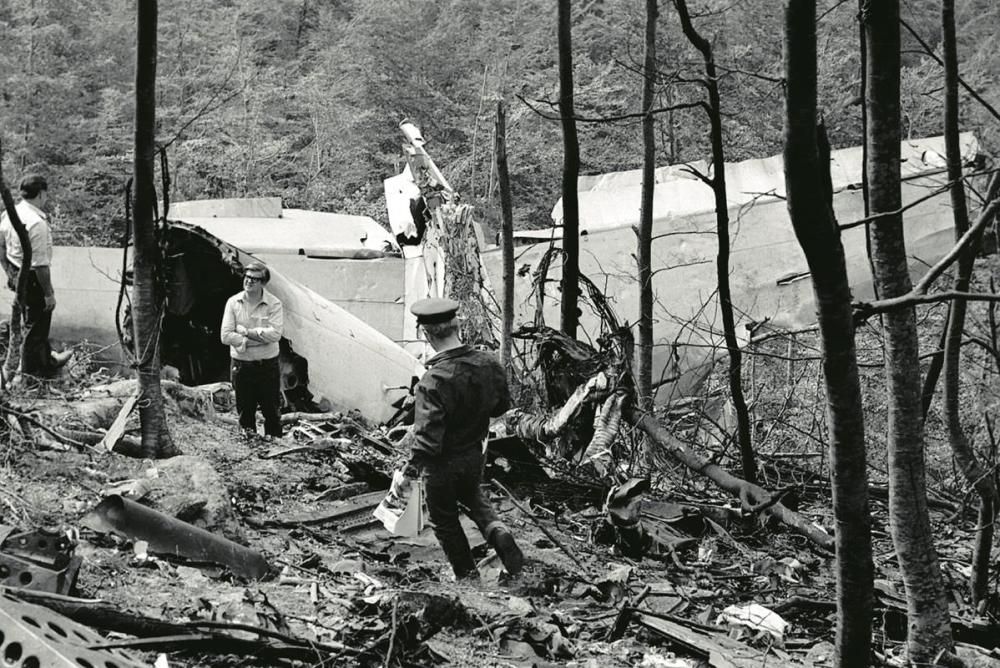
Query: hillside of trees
{"type": "Point", "coordinates": [300, 98]}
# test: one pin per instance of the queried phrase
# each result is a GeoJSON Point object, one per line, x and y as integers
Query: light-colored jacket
{"type": "Point", "coordinates": [36, 222]}
{"type": "Point", "coordinates": [263, 323]}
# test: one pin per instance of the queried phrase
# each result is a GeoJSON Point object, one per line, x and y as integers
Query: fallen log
{"type": "Point", "coordinates": [99, 614]}
{"type": "Point", "coordinates": [753, 498]}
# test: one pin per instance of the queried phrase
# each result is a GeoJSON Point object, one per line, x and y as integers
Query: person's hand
{"type": "Point", "coordinates": [401, 484]}
{"type": "Point", "coordinates": [241, 330]}
{"type": "Point", "coordinates": [50, 302]}
{"type": "Point", "coordinates": [414, 468]}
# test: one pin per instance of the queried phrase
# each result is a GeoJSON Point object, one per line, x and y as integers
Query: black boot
{"type": "Point", "coordinates": [510, 553]}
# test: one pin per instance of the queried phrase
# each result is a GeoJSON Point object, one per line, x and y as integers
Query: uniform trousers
{"type": "Point", "coordinates": [451, 480]}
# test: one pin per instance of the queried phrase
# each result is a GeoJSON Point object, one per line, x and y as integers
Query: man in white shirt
{"type": "Point", "coordinates": [252, 325]}
{"type": "Point", "coordinates": [37, 357]}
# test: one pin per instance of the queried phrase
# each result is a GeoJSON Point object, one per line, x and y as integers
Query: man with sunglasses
{"type": "Point", "coordinates": [252, 325]}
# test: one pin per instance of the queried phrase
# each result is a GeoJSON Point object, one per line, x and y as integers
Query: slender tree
{"type": "Point", "coordinates": [13, 355]}
{"type": "Point", "coordinates": [146, 294]}
{"type": "Point", "coordinates": [810, 206]}
{"type": "Point", "coordinates": [645, 236]}
{"type": "Point", "coordinates": [909, 520]}
{"type": "Point", "coordinates": [569, 313]}
{"type": "Point", "coordinates": [965, 456]}
{"type": "Point", "coordinates": [718, 184]}
{"type": "Point", "coordinates": [506, 234]}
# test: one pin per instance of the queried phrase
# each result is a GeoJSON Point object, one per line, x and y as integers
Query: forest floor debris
{"type": "Point", "coordinates": [342, 591]}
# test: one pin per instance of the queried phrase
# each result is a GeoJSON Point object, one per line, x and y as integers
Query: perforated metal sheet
{"type": "Point", "coordinates": [32, 636]}
{"type": "Point", "coordinates": [15, 572]}
{"type": "Point", "coordinates": [46, 548]}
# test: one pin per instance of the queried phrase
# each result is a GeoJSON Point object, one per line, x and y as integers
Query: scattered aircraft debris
{"type": "Point", "coordinates": [168, 535]}
{"type": "Point", "coordinates": [39, 559]}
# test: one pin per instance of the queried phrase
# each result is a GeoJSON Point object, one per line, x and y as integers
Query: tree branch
{"type": "Point", "coordinates": [866, 309]}
{"type": "Point", "coordinates": [756, 75]}
{"type": "Point", "coordinates": [610, 119]}
{"type": "Point", "coordinates": [930, 52]}
{"type": "Point", "coordinates": [971, 235]}
{"type": "Point", "coordinates": [920, 200]}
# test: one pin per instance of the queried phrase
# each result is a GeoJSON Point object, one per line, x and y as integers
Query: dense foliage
{"type": "Point", "coordinates": [300, 98]}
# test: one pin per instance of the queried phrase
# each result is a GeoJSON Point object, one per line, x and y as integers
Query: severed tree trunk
{"type": "Point", "coordinates": [753, 498]}
{"type": "Point", "coordinates": [146, 295]}
{"type": "Point", "coordinates": [644, 375]}
{"type": "Point", "coordinates": [974, 472]}
{"type": "Point", "coordinates": [909, 521]}
{"type": "Point", "coordinates": [506, 235]}
{"type": "Point", "coordinates": [718, 184]}
{"type": "Point", "coordinates": [810, 206]}
{"type": "Point", "coordinates": [569, 315]}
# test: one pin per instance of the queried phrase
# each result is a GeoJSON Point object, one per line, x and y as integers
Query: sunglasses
{"type": "Point", "coordinates": [253, 279]}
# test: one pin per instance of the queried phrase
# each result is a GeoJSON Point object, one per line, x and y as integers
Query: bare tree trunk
{"type": "Point", "coordinates": [810, 206]}
{"type": "Point", "coordinates": [571, 168]}
{"type": "Point", "coordinates": [22, 236]}
{"type": "Point", "coordinates": [965, 456]}
{"type": "Point", "coordinates": [507, 234]}
{"type": "Point", "coordinates": [909, 521]}
{"type": "Point", "coordinates": [718, 183]}
{"type": "Point", "coordinates": [12, 357]}
{"type": "Point", "coordinates": [645, 241]}
{"type": "Point", "coordinates": [146, 302]}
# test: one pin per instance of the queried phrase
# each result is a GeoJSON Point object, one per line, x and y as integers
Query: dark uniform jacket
{"type": "Point", "coordinates": [454, 400]}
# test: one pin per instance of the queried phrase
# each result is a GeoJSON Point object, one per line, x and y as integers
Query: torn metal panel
{"type": "Point", "coordinates": [263, 225]}
{"type": "Point", "coordinates": [18, 572]}
{"type": "Point", "coordinates": [43, 547]}
{"type": "Point", "coordinates": [39, 560]}
{"type": "Point", "coordinates": [354, 514]}
{"type": "Point", "coordinates": [168, 535]}
{"type": "Point", "coordinates": [335, 357]}
{"type": "Point", "coordinates": [33, 635]}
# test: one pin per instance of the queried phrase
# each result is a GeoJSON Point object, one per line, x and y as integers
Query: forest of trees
{"type": "Point", "coordinates": [300, 98]}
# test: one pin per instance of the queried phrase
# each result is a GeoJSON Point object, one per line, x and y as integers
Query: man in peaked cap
{"type": "Point", "coordinates": [454, 400]}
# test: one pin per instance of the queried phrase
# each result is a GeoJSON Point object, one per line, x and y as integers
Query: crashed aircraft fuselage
{"type": "Point", "coordinates": [328, 355]}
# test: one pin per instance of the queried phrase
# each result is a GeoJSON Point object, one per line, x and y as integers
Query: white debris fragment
{"type": "Point", "coordinates": [755, 617]}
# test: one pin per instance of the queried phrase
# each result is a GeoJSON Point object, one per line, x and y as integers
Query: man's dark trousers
{"type": "Point", "coordinates": [258, 383]}
{"type": "Point", "coordinates": [451, 480]}
{"type": "Point", "coordinates": [36, 353]}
